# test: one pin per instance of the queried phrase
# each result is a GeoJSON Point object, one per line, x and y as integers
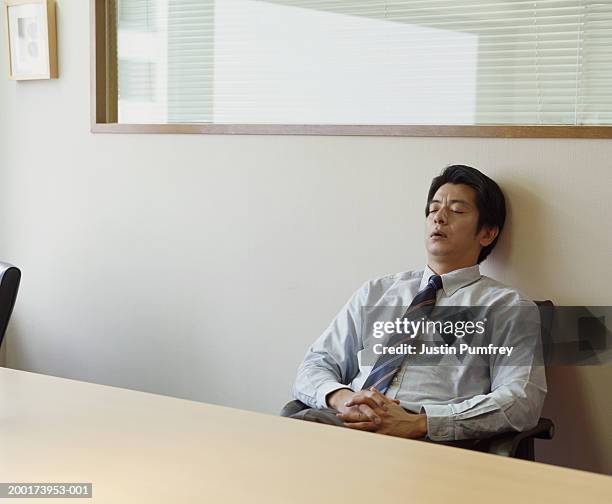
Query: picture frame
{"type": "Point", "coordinates": [31, 38]}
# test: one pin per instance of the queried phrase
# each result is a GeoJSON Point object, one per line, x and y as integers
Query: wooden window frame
{"type": "Point", "coordinates": [104, 102]}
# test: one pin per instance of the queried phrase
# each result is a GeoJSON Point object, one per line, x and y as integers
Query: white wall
{"type": "Point", "coordinates": [203, 266]}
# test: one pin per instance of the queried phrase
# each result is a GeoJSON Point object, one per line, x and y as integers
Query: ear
{"type": "Point", "coordinates": [487, 235]}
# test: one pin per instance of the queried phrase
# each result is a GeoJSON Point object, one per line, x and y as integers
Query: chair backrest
{"type": "Point", "coordinates": [10, 277]}
{"type": "Point", "coordinates": [546, 309]}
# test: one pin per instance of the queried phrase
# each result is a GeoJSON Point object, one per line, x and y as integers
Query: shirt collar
{"type": "Point", "coordinates": [454, 280]}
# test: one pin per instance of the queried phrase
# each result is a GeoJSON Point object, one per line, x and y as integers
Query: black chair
{"type": "Point", "coordinates": [10, 277]}
{"type": "Point", "coordinates": [521, 444]}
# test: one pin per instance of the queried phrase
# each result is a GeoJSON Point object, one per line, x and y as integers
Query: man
{"type": "Point", "coordinates": [340, 383]}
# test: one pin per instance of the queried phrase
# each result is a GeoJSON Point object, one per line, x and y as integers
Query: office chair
{"type": "Point", "coordinates": [521, 444]}
{"type": "Point", "coordinates": [510, 444]}
{"type": "Point", "coordinates": [10, 277]}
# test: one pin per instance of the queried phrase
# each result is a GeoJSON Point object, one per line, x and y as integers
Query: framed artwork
{"type": "Point", "coordinates": [31, 39]}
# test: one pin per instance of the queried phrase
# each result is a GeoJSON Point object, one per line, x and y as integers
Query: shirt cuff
{"type": "Point", "coordinates": [440, 425]}
{"type": "Point", "coordinates": [325, 389]}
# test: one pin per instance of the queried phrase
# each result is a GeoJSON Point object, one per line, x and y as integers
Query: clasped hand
{"type": "Point", "coordinates": [372, 411]}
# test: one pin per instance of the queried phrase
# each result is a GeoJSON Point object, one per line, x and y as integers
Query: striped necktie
{"type": "Point", "coordinates": [388, 364]}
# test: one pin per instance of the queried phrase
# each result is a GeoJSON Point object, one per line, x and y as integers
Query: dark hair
{"type": "Point", "coordinates": [489, 198]}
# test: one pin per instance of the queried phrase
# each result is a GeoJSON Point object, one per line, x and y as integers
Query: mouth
{"type": "Point", "coordinates": [437, 235]}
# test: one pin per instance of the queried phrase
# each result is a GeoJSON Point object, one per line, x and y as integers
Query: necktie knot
{"type": "Point", "coordinates": [435, 281]}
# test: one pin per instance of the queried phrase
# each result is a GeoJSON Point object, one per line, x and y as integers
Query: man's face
{"type": "Point", "coordinates": [450, 231]}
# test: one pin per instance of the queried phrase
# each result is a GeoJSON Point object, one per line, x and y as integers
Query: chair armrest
{"type": "Point", "coordinates": [545, 429]}
{"type": "Point", "coordinates": [517, 444]}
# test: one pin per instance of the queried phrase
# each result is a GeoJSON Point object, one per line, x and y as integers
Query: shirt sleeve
{"type": "Point", "coordinates": [518, 384]}
{"type": "Point", "coordinates": [331, 361]}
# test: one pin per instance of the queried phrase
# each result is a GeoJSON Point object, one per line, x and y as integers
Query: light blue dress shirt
{"type": "Point", "coordinates": [463, 401]}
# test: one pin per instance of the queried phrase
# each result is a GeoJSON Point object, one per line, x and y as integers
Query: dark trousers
{"type": "Point", "coordinates": [300, 411]}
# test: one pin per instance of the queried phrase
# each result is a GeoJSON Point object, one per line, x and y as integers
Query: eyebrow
{"type": "Point", "coordinates": [463, 202]}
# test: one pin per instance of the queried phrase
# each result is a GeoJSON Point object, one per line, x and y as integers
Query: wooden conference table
{"type": "Point", "coordinates": [137, 447]}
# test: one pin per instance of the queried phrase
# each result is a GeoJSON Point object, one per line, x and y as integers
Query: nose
{"type": "Point", "coordinates": [441, 216]}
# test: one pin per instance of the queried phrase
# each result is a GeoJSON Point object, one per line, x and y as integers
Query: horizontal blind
{"type": "Point", "coordinates": [365, 61]}
{"type": "Point", "coordinates": [165, 60]}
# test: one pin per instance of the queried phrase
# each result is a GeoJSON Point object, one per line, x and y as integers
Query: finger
{"type": "Point", "coordinates": [369, 413]}
{"type": "Point", "coordinates": [378, 394]}
{"type": "Point", "coordinates": [382, 397]}
{"type": "Point", "coordinates": [348, 419]}
{"type": "Point", "coordinates": [370, 399]}
{"type": "Point", "coordinates": [364, 426]}
{"type": "Point", "coordinates": [378, 398]}
{"type": "Point", "coordinates": [352, 416]}
{"type": "Point", "coordinates": [361, 413]}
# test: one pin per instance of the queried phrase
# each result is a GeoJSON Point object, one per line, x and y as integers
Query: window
{"type": "Point", "coordinates": [404, 67]}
